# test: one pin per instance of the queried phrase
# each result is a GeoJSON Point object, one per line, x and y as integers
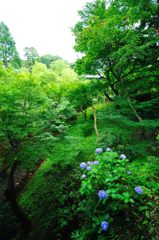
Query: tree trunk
{"type": "Point", "coordinates": [133, 109]}
{"type": "Point", "coordinates": [114, 90]}
{"type": "Point", "coordinates": [107, 97]}
{"type": "Point", "coordinates": [85, 115]}
{"type": "Point", "coordinates": [5, 62]}
{"type": "Point", "coordinates": [84, 112]}
{"type": "Point", "coordinates": [10, 193]}
{"type": "Point", "coordinates": [95, 121]}
{"type": "Point", "coordinates": [130, 102]}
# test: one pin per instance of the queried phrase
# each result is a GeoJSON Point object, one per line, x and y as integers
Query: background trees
{"type": "Point", "coordinates": [31, 56]}
{"type": "Point", "coordinates": [8, 52]}
{"type": "Point", "coordinates": [49, 59]}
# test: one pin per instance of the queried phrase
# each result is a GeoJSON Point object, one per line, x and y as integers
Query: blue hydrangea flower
{"type": "Point", "coordinates": [83, 165]}
{"type": "Point", "coordinates": [96, 163]}
{"type": "Point", "coordinates": [104, 225]}
{"type": "Point", "coordinates": [89, 168]}
{"type": "Point", "coordinates": [99, 150]}
{"type": "Point", "coordinates": [102, 194]}
{"type": "Point", "coordinates": [128, 172]}
{"type": "Point", "coordinates": [83, 176]}
{"type": "Point", "coordinates": [88, 162]}
{"type": "Point", "coordinates": [122, 156]}
{"type": "Point", "coordinates": [138, 190]}
{"type": "Point", "coordinates": [108, 149]}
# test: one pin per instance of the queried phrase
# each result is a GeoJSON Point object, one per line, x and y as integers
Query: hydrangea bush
{"type": "Point", "coordinates": [108, 188]}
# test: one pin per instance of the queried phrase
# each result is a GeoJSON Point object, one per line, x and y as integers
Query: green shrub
{"type": "Point", "coordinates": [88, 130]}
{"type": "Point", "coordinates": [125, 208]}
{"type": "Point", "coordinates": [53, 202]}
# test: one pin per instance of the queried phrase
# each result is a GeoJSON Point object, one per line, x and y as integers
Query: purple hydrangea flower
{"type": "Point", "coordinates": [83, 165]}
{"type": "Point", "coordinates": [122, 156]}
{"type": "Point", "coordinates": [89, 168]}
{"type": "Point", "coordinates": [104, 225]}
{"type": "Point", "coordinates": [138, 190]}
{"type": "Point", "coordinates": [108, 149]}
{"type": "Point", "coordinates": [102, 194]}
{"type": "Point", "coordinates": [96, 163]}
{"type": "Point", "coordinates": [83, 176]}
{"type": "Point", "coordinates": [129, 173]}
{"type": "Point", "coordinates": [99, 150]}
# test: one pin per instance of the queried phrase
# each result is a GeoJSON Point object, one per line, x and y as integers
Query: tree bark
{"type": "Point", "coordinates": [133, 109]}
{"type": "Point", "coordinates": [85, 115]}
{"type": "Point", "coordinates": [10, 193]}
{"type": "Point", "coordinates": [130, 102]}
{"type": "Point", "coordinates": [84, 112]}
{"type": "Point", "coordinates": [115, 91]}
{"type": "Point", "coordinates": [95, 121]}
{"type": "Point", "coordinates": [107, 97]}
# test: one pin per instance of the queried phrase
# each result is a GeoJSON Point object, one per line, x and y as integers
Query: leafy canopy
{"type": "Point", "coordinates": [8, 52]}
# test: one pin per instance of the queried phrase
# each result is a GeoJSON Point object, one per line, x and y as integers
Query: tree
{"type": "Point", "coordinates": [42, 73]}
{"type": "Point", "coordinates": [63, 71]}
{"type": "Point", "coordinates": [80, 97]}
{"type": "Point", "coordinates": [119, 42]}
{"type": "Point", "coordinates": [30, 118]}
{"type": "Point", "coordinates": [32, 56]}
{"type": "Point", "coordinates": [49, 59]}
{"type": "Point", "coordinates": [8, 52]}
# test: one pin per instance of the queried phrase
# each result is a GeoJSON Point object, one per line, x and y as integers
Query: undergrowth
{"type": "Point", "coordinates": [52, 198]}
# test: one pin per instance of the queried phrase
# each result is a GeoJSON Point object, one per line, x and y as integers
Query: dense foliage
{"type": "Point", "coordinates": [119, 42]}
{"type": "Point", "coordinates": [124, 193]}
{"type": "Point", "coordinates": [8, 52]}
{"type": "Point", "coordinates": [79, 150]}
